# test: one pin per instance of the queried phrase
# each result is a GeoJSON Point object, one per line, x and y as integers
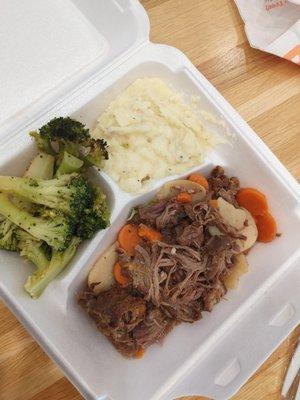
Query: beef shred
{"type": "Point", "coordinates": [222, 186]}
{"type": "Point", "coordinates": [172, 280]}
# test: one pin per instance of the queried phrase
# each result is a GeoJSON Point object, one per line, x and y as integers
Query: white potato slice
{"type": "Point", "coordinates": [239, 268]}
{"type": "Point", "coordinates": [250, 231]}
{"type": "Point", "coordinates": [236, 217]}
{"type": "Point", "coordinates": [172, 188]}
{"type": "Point", "coordinates": [233, 216]}
{"type": "Point", "coordinates": [102, 271]}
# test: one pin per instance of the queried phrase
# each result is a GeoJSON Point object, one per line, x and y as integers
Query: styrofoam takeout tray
{"type": "Point", "coordinates": [214, 356]}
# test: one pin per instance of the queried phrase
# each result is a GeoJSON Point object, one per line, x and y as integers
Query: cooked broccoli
{"type": "Point", "coordinates": [97, 153]}
{"type": "Point", "coordinates": [8, 239]}
{"type": "Point", "coordinates": [41, 167]}
{"type": "Point", "coordinates": [66, 134]}
{"type": "Point", "coordinates": [65, 129]}
{"type": "Point", "coordinates": [55, 231]}
{"type": "Point", "coordinates": [38, 281]}
{"type": "Point", "coordinates": [94, 218]}
{"type": "Point", "coordinates": [69, 164]}
{"type": "Point", "coordinates": [32, 249]}
{"type": "Point", "coordinates": [43, 143]}
{"type": "Point", "coordinates": [69, 193]}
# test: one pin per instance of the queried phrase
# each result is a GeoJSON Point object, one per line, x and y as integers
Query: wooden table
{"type": "Point", "coordinates": [266, 92]}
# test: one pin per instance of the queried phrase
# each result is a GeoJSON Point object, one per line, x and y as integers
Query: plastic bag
{"type": "Point", "coordinates": [273, 26]}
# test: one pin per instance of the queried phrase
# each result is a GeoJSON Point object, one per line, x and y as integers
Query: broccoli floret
{"type": "Point", "coordinates": [32, 249]}
{"type": "Point", "coordinates": [70, 193]}
{"type": "Point", "coordinates": [97, 154]}
{"type": "Point", "coordinates": [66, 129]}
{"type": "Point", "coordinates": [38, 281]}
{"type": "Point", "coordinates": [55, 231]}
{"type": "Point", "coordinates": [95, 217]}
{"type": "Point", "coordinates": [43, 143]}
{"type": "Point", "coordinates": [8, 239]}
{"type": "Point", "coordinates": [66, 134]}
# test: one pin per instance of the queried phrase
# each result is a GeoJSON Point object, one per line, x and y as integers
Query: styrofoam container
{"type": "Point", "coordinates": [212, 357]}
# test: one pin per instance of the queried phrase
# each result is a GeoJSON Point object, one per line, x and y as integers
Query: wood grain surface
{"type": "Point", "coordinates": [266, 92]}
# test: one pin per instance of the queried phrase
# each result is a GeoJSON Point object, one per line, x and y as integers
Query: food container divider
{"type": "Point", "coordinates": [214, 356]}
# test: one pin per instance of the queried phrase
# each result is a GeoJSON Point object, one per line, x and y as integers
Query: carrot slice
{"type": "Point", "coordinates": [267, 227]}
{"type": "Point", "coordinates": [213, 203]}
{"type": "Point", "coordinates": [200, 179]}
{"type": "Point", "coordinates": [253, 200]}
{"type": "Point", "coordinates": [149, 233]}
{"type": "Point", "coordinates": [184, 197]}
{"type": "Point", "coordinates": [139, 353]}
{"type": "Point", "coordinates": [119, 277]}
{"type": "Point", "coordinates": [128, 238]}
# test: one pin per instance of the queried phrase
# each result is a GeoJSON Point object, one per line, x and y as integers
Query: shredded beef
{"type": "Point", "coordinates": [213, 296]}
{"type": "Point", "coordinates": [116, 311]}
{"type": "Point", "coordinates": [172, 280]}
{"type": "Point", "coordinates": [192, 235]}
{"type": "Point", "coordinates": [171, 215]}
{"type": "Point", "coordinates": [123, 319]}
{"type": "Point", "coordinates": [153, 329]}
{"type": "Point", "coordinates": [222, 186]}
{"type": "Point", "coordinates": [148, 214]}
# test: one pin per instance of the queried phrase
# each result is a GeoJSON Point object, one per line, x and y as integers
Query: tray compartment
{"type": "Point", "coordinates": [57, 321]}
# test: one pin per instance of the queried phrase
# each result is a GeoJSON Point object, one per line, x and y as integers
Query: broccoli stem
{"type": "Point", "coordinates": [36, 255]}
{"type": "Point", "coordinates": [41, 167]}
{"type": "Point", "coordinates": [69, 164]}
{"type": "Point", "coordinates": [55, 232]}
{"type": "Point", "coordinates": [37, 282]}
{"type": "Point", "coordinates": [32, 249]}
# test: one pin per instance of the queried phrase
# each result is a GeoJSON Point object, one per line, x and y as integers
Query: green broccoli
{"type": "Point", "coordinates": [69, 193]}
{"type": "Point", "coordinates": [66, 134]}
{"type": "Point", "coordinates": [38, 281]}
{"type": "Point", "coordinates": [33, 249]}
{"type": "Point", "coordinates": [41, 167]}
{"type": "Point", "coordinates": [55, 231]}
{"type": "Point", "coordinates": [42, 143]}
{"type": "Point", "coordinates": [8, 239]}
{"type": "Point", "coordinates": [69, 164]}
{"type": "Point", "coordinates": [97, 153]}
{"type": "Point", "coordinates": [94, 218]}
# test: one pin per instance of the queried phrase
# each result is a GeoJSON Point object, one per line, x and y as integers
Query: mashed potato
{"type": "Point", "coordinates": [152, 133]}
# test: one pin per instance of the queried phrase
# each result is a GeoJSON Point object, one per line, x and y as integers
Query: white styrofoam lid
{"type": "Point", "coordinates": [43, 44]}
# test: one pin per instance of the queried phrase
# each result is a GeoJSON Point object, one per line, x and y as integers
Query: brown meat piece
{"type": "Point", "coordinates": [222, 186]}
{"type": "Point", "coordinates": [116, 313]}
{"type": "Point", "coordinates": [153, 329]}
{"type": "Point", "coordinates": [192, 235]}
{"type": "Point", "coordinates": [148, 214]}
{"type": "Point", "coordinates": [213, 296]}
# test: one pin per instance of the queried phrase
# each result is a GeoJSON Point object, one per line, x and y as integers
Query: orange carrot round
{"type": "Point", "coordinates": [119, 277]}
{"type": "Point", "coordinates": [128, 238]}
{"type": "Point", "coordinates": [184, 197]}
{"type": "Point", "coordinates": [266, 226]}
{"type": "Point", "coordinates": [200, 179]}
{"type": "Point", "coordinates": [149, 233]}
{"type": "Point", "coordinates": [214, 203]}
{"type": "Point", "coordinates": [253, 200]}
{"type": "Point", "coordinates": [139, 353]}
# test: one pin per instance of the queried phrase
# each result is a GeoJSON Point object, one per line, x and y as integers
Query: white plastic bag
{"type": "Point", "coordinates": [273, 26]}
